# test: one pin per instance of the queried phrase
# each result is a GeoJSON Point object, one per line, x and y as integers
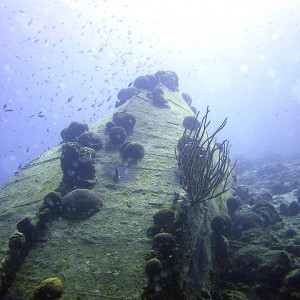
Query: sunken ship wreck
{"type": "Point", "coordinates": [133, 207]}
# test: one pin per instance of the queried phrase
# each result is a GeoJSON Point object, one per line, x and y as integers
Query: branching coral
{"type": "Point", "coordinates": [204, 164]}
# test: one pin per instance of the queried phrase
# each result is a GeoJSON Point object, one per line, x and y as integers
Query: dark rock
{"type": "Point", "coordinates": [246, 220]}
{"type": "Point", "coordinates": [269, 238]}
{"type": "Point", "coordinates": [243, 165]}
{"type": "Point", "coordinates": [270, 169]}
{"type": "Point", "coordinates": [267, 213]}
{"type": "Point", "coordinates": [293, 249]}
{"type": "Point", "coordinates": [254, 199]}
{"type": "Point", "coordinates": [260, 197]}
{"type": "Point", "coordinates": [264, 291]}
{"type": "Point", "coordinates": [233, 204]}
{"type": "Point", "coordinates": [293, 209]}
{"type": "Point", "coordinates": [251, 235]}
{"type": "Point", "coordinates": [255, 263]}
{"type": "Point", "coordinates": [244, 264]}
{"type": "Point", "coordinates": [233, 295]}
{"type": "Point", "coordinates": [242, 191]}
{"type": "Point", "coordinates": [292, 279]}
{"type": "Point", "coordinates": [221, 225]}
{"type": "Point", "coordinates": [290, 232]}
{"type": "Point", "coordinates": [283, 208]}
{"type": "Point", "coordinates": [267, 196]}
{"type": "Point", "coordinates": [280, 188]}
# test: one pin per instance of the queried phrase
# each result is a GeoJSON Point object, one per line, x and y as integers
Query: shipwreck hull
{"type": "Point", "coordinates": [103, 256]}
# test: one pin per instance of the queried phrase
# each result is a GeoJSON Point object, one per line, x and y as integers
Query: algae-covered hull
{"type": "Point", "coordinates": [103, 256]}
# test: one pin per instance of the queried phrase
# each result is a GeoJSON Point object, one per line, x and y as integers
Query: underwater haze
{"type": "Point", "coordinates": [66, 60]}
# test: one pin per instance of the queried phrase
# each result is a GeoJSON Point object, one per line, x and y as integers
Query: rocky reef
{"type": "Point", "coordinates": [264, 240]}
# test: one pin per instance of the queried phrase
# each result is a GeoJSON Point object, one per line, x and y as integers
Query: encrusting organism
{"type": "Point", "coordinates": [53, 201]}
{"type": "Point", "coordinates": [50, 288]}
{"type": "Point", "coordinates": [164, 243]}
{"type": "Point", "coordinates": [153, 267]}
{"type": "Point", "coordinates": [157, 97]}
{"type": "Point", "coordinates": [168, 78]}
{"type": "Point", "coordinates": [126, 94]}
{"type": "Point", "coordinates": [16, 242]}
{"type": "Point", "coordinates": [132, 151]}
{"type": "Point", "coordinates": [117, 135]}
{"type": "Point", "coordinates": [91, 140]}
{"type": "Point", "coordinates": [73, 131]}
{"type": "Point", "coordinates": [147, 82]}
{"type": "Point", "coordinates": [191, 123]}
{"type": "Point", "coordinates": [80, 204]}
{"type": "Point", "coordinates": [124, 119]}
{"type": "Point", "coordinates": [164, 219]}
{"type": "Point", "coordinates": [77, 164]}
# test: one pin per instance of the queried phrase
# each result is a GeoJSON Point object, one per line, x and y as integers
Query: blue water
{"type": "Point", "coordinates": [66, 60]}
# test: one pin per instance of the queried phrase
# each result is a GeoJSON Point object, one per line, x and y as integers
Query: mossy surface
{"type": "Point", "coordinates": [101, 257]}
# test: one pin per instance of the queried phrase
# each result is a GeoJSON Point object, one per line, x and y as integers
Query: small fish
{"type": "Point", "coordinates": [129, 204]}
{"type": "Point", "coordinates": [41, 116]}
{"type": "Point", "coordinates": [116, 176]}
{"type": "Point", "coordinates": [70, 98]}
{"type": "Point", "coordinates": [27, 149]}
{"type": "Point", "coordinates": [8, 110]}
